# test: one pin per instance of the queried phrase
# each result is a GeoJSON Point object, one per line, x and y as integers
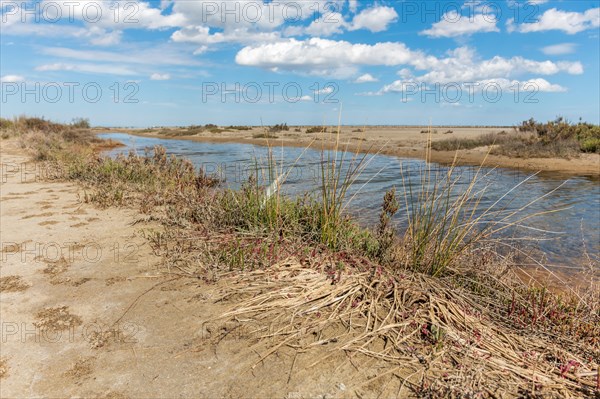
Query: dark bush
{"type": "Point", "coordinates": [5, 124]}
{"type": "Point", "coordinates": [316, 129]}
{"type": "Point", "coordinates": [81, 123]}
{"type": "Point", "coordinates": [279, 128]}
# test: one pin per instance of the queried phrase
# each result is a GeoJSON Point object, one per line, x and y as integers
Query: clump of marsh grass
{"type": "Point", "coordinates": [155, 179]}
{"type": "Point", "coordinates": [531, 147]}
{"type": "Point", "coordinates": [47, 140]}
{"type": "Point", "coordinates": [339, 171]}
{"type": "Point", "coordinates": [483, 140]}
{"type": "Point", "coordinates": [262, 205]}
{"type": "Point", "coordinates": [447, 219]}
{"type": "Point", "coordinates": [317, 218]}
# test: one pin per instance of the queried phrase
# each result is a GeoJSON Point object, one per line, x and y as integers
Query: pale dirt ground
{"type": "Point", "coordinates": [128, 330]}
{"type": "Point", "coordinates": [404, 142]}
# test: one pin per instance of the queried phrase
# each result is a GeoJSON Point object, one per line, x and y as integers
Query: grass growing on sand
{"type": "Point", "coordinates": [442, 310]}
{"type": "Point", "coordinates": [532, 139]}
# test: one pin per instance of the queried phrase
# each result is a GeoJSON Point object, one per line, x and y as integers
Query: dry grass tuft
{"type": "Point", "coordinates": [3, 367]}
{"type": "Point", "coordinates": [13, 284]}
{"type": "Point", "coordinates": [431, 335]}
{"type": "Point", "coordinates": [56, 319]}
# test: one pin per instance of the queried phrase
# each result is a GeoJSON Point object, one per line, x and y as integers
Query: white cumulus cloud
{"type": "Point", "coordinates": [366, 78]}
{"type": "Point", "coordinates": [318, 53]}
{"type": "Point", "coordinates": [375, 19]}
{"type": "Point", "coordinates": [543, 85]}
{"type": "Point", "coordinates": [463, 65]}
{"type": "Point", "coordinates": [100, 23]}
{"type": "Point", "coordinates": [323, 56]}
{"type": "Point", "coordinates": [454, 24]}
{"type": "Point", "coordinates": [202, 35]}
{"type": "Point", "coordinates": [566, 21]}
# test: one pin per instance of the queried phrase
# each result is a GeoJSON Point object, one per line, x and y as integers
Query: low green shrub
{"type": "Point", "coordinates": [562, 131]}
{"type": "Point", "coordinates": [555, 139]}
{"type": "Point", "coordinates": [467, 144]}
{"type": "Point", "coordinates": [591, 144]}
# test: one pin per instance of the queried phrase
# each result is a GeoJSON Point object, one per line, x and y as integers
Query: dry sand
{"type": "Point", "coordinates": [86, 311]}
{"type": "Point", "coordinates": [403, 142]}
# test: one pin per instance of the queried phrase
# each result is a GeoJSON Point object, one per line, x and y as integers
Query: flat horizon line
{"type": "Point", "coordinates": [307, 125]}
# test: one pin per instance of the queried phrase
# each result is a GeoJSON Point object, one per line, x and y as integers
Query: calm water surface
{"type": "Point", "coordinates": [566, 234]}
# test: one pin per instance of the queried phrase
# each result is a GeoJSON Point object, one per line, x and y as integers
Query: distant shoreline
{"type": "Point", "coordinates": [304, 126]}
{"type": "Point", "coordinates": [406, 142]}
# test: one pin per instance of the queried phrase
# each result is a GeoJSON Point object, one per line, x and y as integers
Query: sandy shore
{"type": "Point", "coordinates": [407, 142]}
{"type": "Point", "coordinates": [87, 311]}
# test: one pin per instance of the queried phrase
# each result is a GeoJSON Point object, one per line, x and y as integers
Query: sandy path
{"type": "Point", "coordinates": [96, 318]}
{"type": "Point", "coordinates": [404, 142]}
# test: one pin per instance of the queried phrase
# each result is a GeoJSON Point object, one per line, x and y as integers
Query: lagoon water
{"type": "Point", "coordinates": [561, 238]}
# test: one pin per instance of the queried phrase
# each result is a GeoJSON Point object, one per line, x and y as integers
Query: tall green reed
{"type": "Point", "coordinates": [447, 219]}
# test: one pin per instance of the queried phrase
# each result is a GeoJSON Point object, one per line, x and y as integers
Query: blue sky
{"type": "Point", "coordinates": [181, 62]}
